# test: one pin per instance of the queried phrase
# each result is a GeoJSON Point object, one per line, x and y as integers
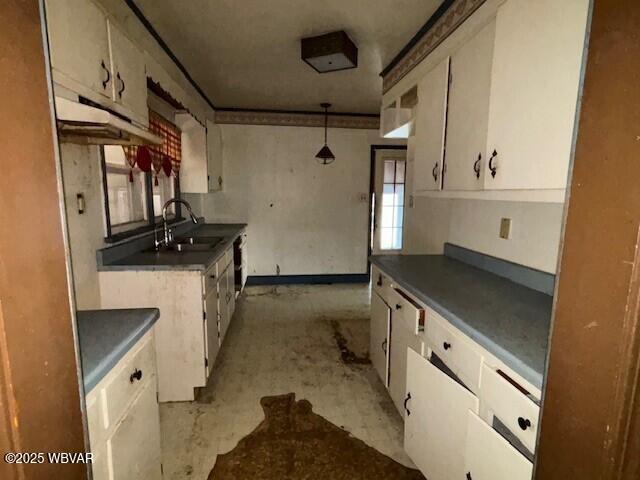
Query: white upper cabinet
{"type": "Point", "coordinates": [91, 57]}
{"type": "Point", "coordinates": [468, 112]}
{"type": "Point", "coordinates": [430, 123]}
{"type": "Point", "coordinates": [214, 156]}
{"type": "Point", "coordinates": [129, 77]}
{"type": "Point", "coordinates": [193, 167]}
{"type": "Point", "coordinates": [534, 90]}
{"type": "Point", "coordinates": [79, 45]}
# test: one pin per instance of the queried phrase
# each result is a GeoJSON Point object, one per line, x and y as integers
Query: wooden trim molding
{"type": "Point", "coordinates": [589, 426]}
{"type": "Point", "coordinates": [296, 119]}
{"type": "Point", "coordinates": [457, 13]}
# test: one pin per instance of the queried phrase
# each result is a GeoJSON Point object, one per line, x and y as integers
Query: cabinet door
{"type": "Point", "coordinates": [534, 91]}
{"type": "Point", "coordinates": [379, 337]}
{"type": "Point", "coordinates": [488, 456]}
{"type": "Point", "coordinates": [223, 305]}
{"type": "Point", "coordinates": [231, 287]}
{"type": "Point", "coordinates": [214, 155]}
{"type": "Point", "coordinates": [134, 447]}
{"type": "Point", "coordinates": [129, 75]}
{"type": "Point", "coordinates": [468, 112]}
{"type": "Point", "coordinates": [193, 168]}
{"type": "Point", "coordinates": [79, 45]}
{"type": "Point", "coordinates": [431, 113]}
{"type": "Point", "coordinates": [212, 333]}
{"type": "Point", "coordinates": [436, 427]}
{"type": "Point", "coordinates": [402, 338]}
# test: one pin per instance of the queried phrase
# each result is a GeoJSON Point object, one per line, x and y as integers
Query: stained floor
{"type": "Point", "coordinates": [309, 340]}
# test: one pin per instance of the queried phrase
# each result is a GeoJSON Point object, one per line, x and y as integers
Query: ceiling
{"type": "Point", "coordinates": [246, 53]}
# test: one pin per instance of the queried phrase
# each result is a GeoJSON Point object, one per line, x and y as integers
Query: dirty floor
{"type": "Point", "coordinates": [308, 340]}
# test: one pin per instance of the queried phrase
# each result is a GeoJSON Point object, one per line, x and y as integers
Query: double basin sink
{"type": "Point", "coordinates": [189, 244]}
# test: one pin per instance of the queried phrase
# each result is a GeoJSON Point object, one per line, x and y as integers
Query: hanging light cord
{"type": "Point", "coordinates": [326, 118]}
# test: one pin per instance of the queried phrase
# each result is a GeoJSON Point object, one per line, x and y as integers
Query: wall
{"type": "Point", "coordinates": [304, 217]}
{"type": "Point", "coordinates": [474, 224]}
{"type": "Point", "coordinates": [81, 173]}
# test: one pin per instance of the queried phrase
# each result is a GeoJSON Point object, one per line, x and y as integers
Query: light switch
{"type": "Point", "coordinates": [505, 228]}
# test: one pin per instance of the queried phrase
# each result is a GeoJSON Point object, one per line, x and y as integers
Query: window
{"type": "Point", "coordinates": [136, 188]}
{"type": "Point", "coordinates": [392, 208]}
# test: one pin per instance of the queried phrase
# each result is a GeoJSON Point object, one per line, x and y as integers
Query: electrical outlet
{"type": "Point", "coordinates": [505, 228]}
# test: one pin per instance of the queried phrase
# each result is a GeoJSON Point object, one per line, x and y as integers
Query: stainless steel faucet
{"type": "Point", "coordinates": [168, 235]}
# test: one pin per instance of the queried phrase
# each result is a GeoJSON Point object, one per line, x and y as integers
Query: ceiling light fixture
{"type": "Point", "coordinates": [329, 52]}
{"type": "Point", "coordinates": [325, 156]}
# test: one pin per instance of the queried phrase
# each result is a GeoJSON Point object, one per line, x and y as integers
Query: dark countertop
{"type": "Point", "coordinates": [105, 336]}
{"type": "Point", "coordinates": [509, 320]}
{"type": "Point", "coordinates": [187, 260]}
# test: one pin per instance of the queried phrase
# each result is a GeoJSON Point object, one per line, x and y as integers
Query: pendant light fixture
{"type": "Point", "coordinates": [325, 156]}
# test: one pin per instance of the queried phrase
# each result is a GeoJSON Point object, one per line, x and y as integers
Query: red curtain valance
{"type": "Point", "coordinates": [163, 158]}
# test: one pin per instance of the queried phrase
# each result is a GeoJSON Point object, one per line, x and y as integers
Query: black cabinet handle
{"type": "Point", "coordinates": [405, 403]}
{"type": "Point", "coordinates": [108, 79]}
{"type": "Point", "coordinates": [398, 306]}
{"type": "Point", "coordinates": [446, 345]}
{"type": "Point", "coordinates": [212, 276]}
{"type": "Point", "coordinates": [384, 346]}
{"type": "Point", "coordinates": [524, 423]}
{"type": "Point", "coordinates": [434, 172]}
{"type": "Point", "coordinates": [469, 476]}
{"type": "Point", "coordinates": [136, 375]}
{"type": "Point", "coordinates": [476, 165]}
{"type": "Point", "coordinates": [379, 282]}
{"type": "Point", "coordinates": [493, 168]}
{"type": "Point", "coordinates": [121, 91]}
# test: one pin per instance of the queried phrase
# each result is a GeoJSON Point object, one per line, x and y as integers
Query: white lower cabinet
{"type": "Point", "coordinates": [436, 421]}
{"type": "Point", "coordinates": [379, 337]}
{"type": "Point", "coordinates": [124, 420]}
{"type": "Point", "coordinates": [488, 456]}
{"type": "Point", "coordinates": [133, 449]}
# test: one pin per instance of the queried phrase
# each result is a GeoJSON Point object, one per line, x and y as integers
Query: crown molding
{"type": "Point", "coordinates": [296, 119]}
{"type": "Point", "coordinates": [434, 33]}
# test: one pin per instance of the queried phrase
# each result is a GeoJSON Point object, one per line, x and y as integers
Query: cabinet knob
{"type": "Point", "coordinates": [469, 477]}
{"type": "Point", "coordinates": [492, 167]}
{"type": "Point", "coordinates": [212, 276]}
{"type": "Point", "coordinates": [106, 81]}
{"type": "Point", "coordinates": [398, 306]}
{"type": "Point", "coordinates": [379, 282]}
{"type": "Point", "coordinates": [446, 345]}
{"type": "Point", "coordinates": [405, 403]}
{"type": "Point", "coordinates": [524, 423]}
{"type": "Point", "coordinates": [476, 165]}
{"type": "Point", "coordinates": [384, 346]}
{"type": "Point", "coordinates": [434, 172]}
{"type": "Point", "coordinates": [136, 375]}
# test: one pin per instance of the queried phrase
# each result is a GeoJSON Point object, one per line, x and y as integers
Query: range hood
{"type": "Point", "coordinates": [88, 125]}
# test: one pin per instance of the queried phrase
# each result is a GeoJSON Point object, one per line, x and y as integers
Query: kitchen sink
{"type": "Point", "coordinates": [209, 240]}
{"type": "Point", "coordinates": [189, 244]}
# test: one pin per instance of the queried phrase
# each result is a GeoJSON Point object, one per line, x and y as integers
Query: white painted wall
{"type": "Point", "coordinates": [302, 216]}
{"type": "Point", "coordinates": [81, 173]}
{"type": "Point", "coordinates": [475, 224]}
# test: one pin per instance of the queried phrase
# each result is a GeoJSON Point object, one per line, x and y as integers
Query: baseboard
{"type": "Point", "coordinates": [307, 279]}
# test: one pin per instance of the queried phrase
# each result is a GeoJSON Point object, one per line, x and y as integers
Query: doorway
{"type": "Point", "coordinates": [387, 199]}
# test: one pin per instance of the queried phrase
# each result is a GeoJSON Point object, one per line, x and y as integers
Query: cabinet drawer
{"type": "Point", "coordinates": [455, 350]}
{"type": "Point", "coordinates": [124, 386]}
{"type": "Point", "coordinates": [210, 279]}
{"type": "Point", "coordinates": [407, 312]}
{"type": "Point", "coordinates": [501, 397]}
{"type": "Point", "coordinates": [381, 284]}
